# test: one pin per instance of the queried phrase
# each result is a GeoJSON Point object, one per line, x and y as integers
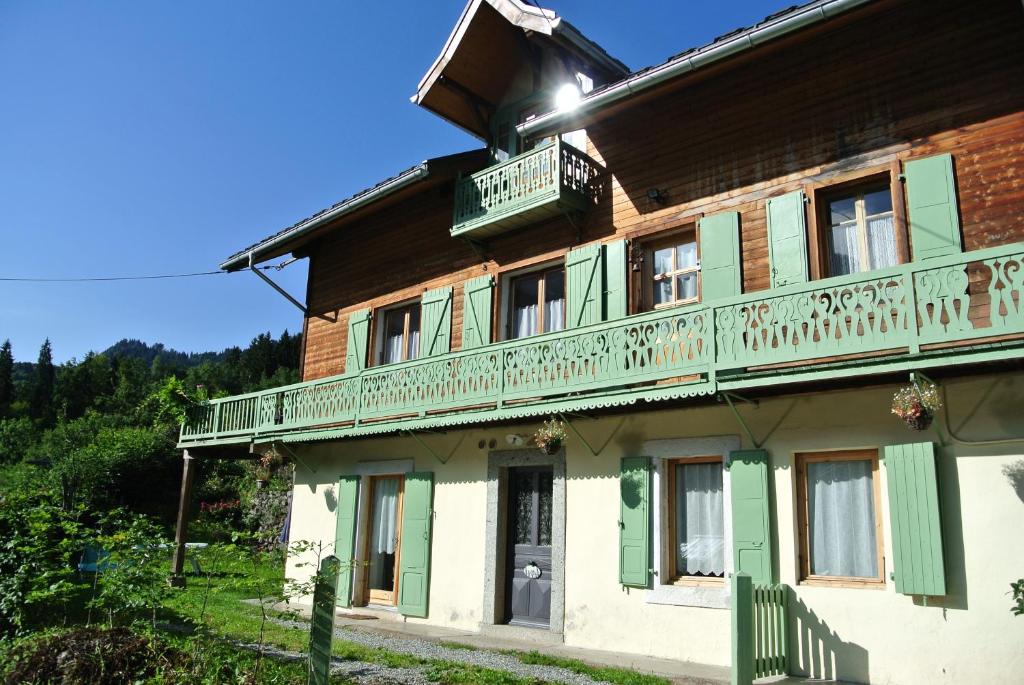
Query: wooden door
{"type": "Point", "coordinates": [383, 538]}
{"type": "Point", "coordinates": [528, 576]}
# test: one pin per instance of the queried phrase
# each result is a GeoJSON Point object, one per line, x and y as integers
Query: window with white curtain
{"type": "Point", "coordinates": [537, 302]}
{"type": "Point", "coordinates": [399, 337]}
{"type": "Point", "coordinates": [839, 516]}
{"type": "Point", "coordinates": [672, 271]}
{"type": "Point", "coordinates": [697, 519]}
{"type": "Point", "coordinates": [861, 235]}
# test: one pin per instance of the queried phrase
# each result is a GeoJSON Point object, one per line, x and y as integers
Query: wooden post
{"type": "Point", "coordinates": [181, 533]}
{"type": "Point", "coordinates": [742, 629]}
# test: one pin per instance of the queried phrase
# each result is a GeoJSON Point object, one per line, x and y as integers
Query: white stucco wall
{"type": "Point", "coordinates": [969, 636]}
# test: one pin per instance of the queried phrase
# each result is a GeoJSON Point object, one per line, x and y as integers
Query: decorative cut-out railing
{"type": "Point", "coordinates": [552, 177]}
{"type": "Point", "coordinates": [943, 306]}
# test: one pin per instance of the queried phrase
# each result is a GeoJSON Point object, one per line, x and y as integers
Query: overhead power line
{"type": "Point", "coordinates": [94, 279]}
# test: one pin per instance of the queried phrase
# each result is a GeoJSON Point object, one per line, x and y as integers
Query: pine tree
{"type": "Point", "coordinates": [6, 378]}
{"type": "Point", "coordinates": [41, 403]}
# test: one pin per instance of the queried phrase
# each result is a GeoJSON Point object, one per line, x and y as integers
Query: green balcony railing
{"type": "Point", "coordinates": [547, 180]}
{"type": "Point", "coordinates": [913, 314]}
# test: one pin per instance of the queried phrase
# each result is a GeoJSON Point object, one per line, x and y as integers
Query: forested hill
{"type": "Point", "coordinates": [136, 349]}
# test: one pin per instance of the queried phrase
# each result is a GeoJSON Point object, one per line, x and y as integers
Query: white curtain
{"type": "Point", "coordinates": [554, 314]}
{"type": "Point", "coordinates": [882, 242]}
{"type": "Point", "coordinates": [414, 343]}
{"type": "Point", "coordinates": [393, 348]}
{"type": "Point", "coordinates": [844, 257]}
{"type": "Point", "coordinates": [840, 505]}
{"type": "Point", "coordinates": [385, 512]}
{"type": "Point", "coordinates": [700, 519]}
{"type": "Point", "coordinates": [524, 322]}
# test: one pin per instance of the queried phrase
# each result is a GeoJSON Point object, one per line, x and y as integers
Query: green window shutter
{"type": "Point", "coordinates": [787, 239]}
{"type": "Point", "coordinates": [436, 322]}
{"type": "Point", "coordinates": [914, 514]}
{"type": "Point", "coordinates": [414, 563]}
{"type": "Point", "coordinates": [932, 207]}
{"type": "Point", "coordinates": [720, 256]}
{"type": "Point", "coordinates": [476, 312]}
{"type": "Point", "coordinates": [751, 522]}
{"type": "Point", "coordinates": [345, 535]}
{"type": "Point", "coordinates": [584, 285]}
{"type": "Point", "coordinates": [635, 522]}
{"type": "Point", "coordinates": [358, 340]}
{"type": "Point", "coordinates": [615, 280]}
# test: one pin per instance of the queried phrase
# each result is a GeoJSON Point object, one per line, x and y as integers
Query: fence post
{"type": "Point", "coordinates": [742, 629]}
{"type": "Point", "coordinates": [321, 631]}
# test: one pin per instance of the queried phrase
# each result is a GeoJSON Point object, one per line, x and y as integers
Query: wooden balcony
{"type": "Point", "coordinates": [961, 309]}
{"type": "Point", "coordinates": [548, 180]}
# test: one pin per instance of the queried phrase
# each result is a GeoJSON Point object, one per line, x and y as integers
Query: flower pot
{"type": "Point", "coordinates": [550, 448]}
{"type": "Point", "coordinates": [262, 483]}
{"type": "Point", "coordinates": [919, 421]}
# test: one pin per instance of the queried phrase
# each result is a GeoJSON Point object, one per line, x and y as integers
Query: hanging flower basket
{"type": "Point", "coordinates": [550, 437]}
{"type": "Point", "coordinates": [917, 404]}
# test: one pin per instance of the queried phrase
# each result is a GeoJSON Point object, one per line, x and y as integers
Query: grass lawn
{"type": "Point", "coordinates": [230, 581]}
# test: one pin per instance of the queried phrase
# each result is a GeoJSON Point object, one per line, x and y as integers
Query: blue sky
{"type": "Point", "coordinates": [159, 137]}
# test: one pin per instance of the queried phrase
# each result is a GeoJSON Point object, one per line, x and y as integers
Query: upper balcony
{"type": "Point", "coordinates": [550, 179]}
{"type": "Point", "coordinates": [961, 309]}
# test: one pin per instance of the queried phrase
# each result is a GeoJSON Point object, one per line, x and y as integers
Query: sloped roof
{"type": "Point", "coordinates": [288, 239]}
{"type": "Point", "coordinates": [775, 25]}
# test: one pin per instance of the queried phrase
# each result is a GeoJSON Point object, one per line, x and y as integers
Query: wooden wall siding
{"type": "Point", "coordinates": [918, 79]}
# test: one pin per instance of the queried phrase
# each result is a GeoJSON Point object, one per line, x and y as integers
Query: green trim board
{"type": "Point", "coordinates": [919, 563]}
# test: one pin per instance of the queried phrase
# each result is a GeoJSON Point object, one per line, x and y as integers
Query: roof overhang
{"type": "Point", "coordinates": [485, 50]}
{"type": "Point", "coordinates": [592, 105]}
{"type": "Point", "coordinates": [409, 182]}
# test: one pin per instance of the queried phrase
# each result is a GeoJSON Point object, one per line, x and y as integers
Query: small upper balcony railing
{"type": "Point", "coordinates": [957, 309]}
{"type": "Point", "coordinates": [550, 179]}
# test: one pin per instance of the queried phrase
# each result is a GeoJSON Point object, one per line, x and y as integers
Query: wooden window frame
{"type": "Point", "coordinates": [803, 519]}
{"type": "Point", "coordinates": [540, 272]}
{"type": "Point", "coordinates": [380, 329]}
{"type": "Point", "coordinates": [819, 222]}
{"type": "Point", "coordinates": [647, 249]}
{"type": "Point", "coordinates": [674, 577]}
{"type": "Point", "coordinates": [382, 596]}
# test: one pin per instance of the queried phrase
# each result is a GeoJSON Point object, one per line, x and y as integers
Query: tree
{"type": "Point", "coordinates": [41, 402]}
{"type": "Point", "coordinates": [6, 378]}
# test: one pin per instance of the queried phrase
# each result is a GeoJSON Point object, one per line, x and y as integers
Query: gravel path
{"type": "Point", "coordinates": [427, 649]}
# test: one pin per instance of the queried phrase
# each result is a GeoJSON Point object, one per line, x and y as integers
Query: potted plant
{"type": "Point", "coordinates": [264, 466]}
{"type": "Point", "coordinates": [550, 437]}
{"type": "Point", "coordinates": [916, 404]}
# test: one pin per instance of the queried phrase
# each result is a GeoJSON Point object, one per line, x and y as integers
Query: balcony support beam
{"type": "Point", "coordinates": [431, 450]}
{"type": "Point", "coordinates": [586, 442]}
{"type": "Point", "coordinates": [275, 286]}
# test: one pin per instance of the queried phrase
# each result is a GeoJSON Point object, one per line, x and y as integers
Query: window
{"type": "Point", "coordinates": [400, 334]}
{"type": "Point", "coordinates": [537, 302]}
{"type": "Point", "coordinates": [696, 519]}
{"type": "Point", "coordinates": [839, 518]}
{"type": "Point", "coordinates": [671, 277]}
{"type": "Point", "coordinates": [860, 232]}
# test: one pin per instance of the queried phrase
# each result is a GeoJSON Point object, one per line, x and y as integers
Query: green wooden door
{"type": "Point", "coordinates": [476, 312]}
{"type": "Point", "coordinates": [916, 525]}
{"type": "Point", "coordinates": [787, 239]}
{"type": "Point", "coordinates": [932, 207]}
{"type": "Point", "coordinates": [345, 535]}
{"type": "Point", "coordinates": [358, 340]}
{"type": "Point", "coordinates": [635, 522]}
{"type": "Point", "coordinates": [436, 322]}
{"type": "Point", "coordinates": [751, 518]}
{"type": "Point", "coordinates": [584, 286]}
{"type": "Point", "coordinates": [414, 562]}
{"type": "Point", "coordinates": [720, 256]}
{"type": "Point", "coordinates": [616, 289]}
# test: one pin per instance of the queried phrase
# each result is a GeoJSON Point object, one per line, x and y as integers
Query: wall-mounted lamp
{"type": "Point", "coordinates": [657, 195]}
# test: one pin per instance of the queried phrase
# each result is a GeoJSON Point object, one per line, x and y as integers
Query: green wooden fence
{"type": "Point", "coordinates": [760, 630]}
{"type": "Point", "coordinates": [905, 314]}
